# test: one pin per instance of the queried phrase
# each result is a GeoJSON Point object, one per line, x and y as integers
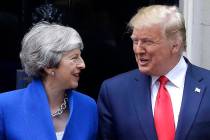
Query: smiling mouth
{"type": "Point", "coordinates": [77, 75]}
{"type": "Point", "coordinates": [143, 61]}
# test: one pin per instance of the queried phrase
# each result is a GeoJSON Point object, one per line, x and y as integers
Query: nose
{"type": "Point", "coordinates": [81, 64]}
{"type": "Point", "coordinates": [139, 48]}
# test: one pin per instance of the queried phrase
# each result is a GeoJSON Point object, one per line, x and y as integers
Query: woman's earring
{"type": "Point", "coordinates": [53, 73]}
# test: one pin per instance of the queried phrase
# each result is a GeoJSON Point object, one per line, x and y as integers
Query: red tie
{"type": "Point", "coordinates": [163, 115]}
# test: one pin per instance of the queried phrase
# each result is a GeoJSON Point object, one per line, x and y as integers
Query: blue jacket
{"type": "Point", "coordinates": [126, 112]}
{"type": "Point", "coordinates": [25, 115]}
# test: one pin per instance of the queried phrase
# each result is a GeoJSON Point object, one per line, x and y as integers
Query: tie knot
{"type": "Point", "coordinates": [163, 80]}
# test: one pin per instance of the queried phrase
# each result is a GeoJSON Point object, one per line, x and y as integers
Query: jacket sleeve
{"type": "Point", "coordinates": [106, 131]}
{"type": "Point", "coordinates": [2, 135]}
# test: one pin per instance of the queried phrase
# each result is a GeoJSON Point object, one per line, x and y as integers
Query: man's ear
{"type": "Point", "coordinates": [176, 45]}
{"type": "Point", "coordinates": [175, 48]}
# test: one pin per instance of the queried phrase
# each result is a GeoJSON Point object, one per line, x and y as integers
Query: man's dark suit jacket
{"type": "Point", "coordinates": [125, 109]}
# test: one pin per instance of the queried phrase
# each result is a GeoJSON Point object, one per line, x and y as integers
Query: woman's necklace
{"type": "Point", "coordinates": [62, 108]}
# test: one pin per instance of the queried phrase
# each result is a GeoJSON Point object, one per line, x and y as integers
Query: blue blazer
{"type": "Point", "coordinates": [125, 108]}
{"type": "Point", "coordinates": [25, 115]}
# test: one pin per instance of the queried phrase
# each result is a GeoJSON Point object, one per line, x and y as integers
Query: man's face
{"type": "Point", "coordinates": [154, 53]}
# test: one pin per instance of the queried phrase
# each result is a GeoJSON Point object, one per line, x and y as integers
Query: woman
{"type": "Point", "coordinates": [48, 108]}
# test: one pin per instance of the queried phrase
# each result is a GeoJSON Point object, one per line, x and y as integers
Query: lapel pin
{"type": "Point", "coordinates": [197, 90]}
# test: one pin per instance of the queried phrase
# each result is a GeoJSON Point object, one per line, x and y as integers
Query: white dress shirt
{"type": "Point", "coordinates": [175, 87]}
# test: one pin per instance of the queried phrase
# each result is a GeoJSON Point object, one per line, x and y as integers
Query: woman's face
{"type": "Point", "coordinates": [68, 72]}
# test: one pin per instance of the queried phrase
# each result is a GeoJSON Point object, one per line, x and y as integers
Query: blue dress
{"type": "Point", "coordinates": [25, 115]}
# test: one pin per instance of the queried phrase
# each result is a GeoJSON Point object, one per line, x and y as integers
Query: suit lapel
{"type": "Point", "coordinates": [141, 100]}
{"type": "Point", "coordinates": [37, 113]}
{"type": "Point", "coordinates": [192, 95]}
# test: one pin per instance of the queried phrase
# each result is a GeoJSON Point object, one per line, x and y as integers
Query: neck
{"type": "Point", "coordinates": [54, 93]}
{"type": "Point", "coordinates": [170, 65]}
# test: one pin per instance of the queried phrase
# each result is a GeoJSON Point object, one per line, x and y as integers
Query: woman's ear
{"type": "Point", "coordinates": [49, 71]}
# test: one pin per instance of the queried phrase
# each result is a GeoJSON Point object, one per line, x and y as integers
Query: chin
{"type": "Point", "coordinates": [75, 85]}
{"type": "Point", "coordinates": [143, 69]}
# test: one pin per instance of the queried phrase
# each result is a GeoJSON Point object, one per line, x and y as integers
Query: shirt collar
{"type": "Point", "coordinates": [177, 75]}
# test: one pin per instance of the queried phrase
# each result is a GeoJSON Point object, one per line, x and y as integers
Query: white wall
{"type": "Point", "coordinates": [197, 18]}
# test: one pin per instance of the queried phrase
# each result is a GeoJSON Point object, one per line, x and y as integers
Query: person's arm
{"type": "Point", "coordinates": [94, 121]}
{"type": "Point", "coordinates": [2, 135]}
{"type": "Point", "coordinates": [106, 130]}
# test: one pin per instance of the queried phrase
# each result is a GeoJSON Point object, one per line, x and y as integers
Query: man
{"type": "Point", "coordinates": [138, 105]}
